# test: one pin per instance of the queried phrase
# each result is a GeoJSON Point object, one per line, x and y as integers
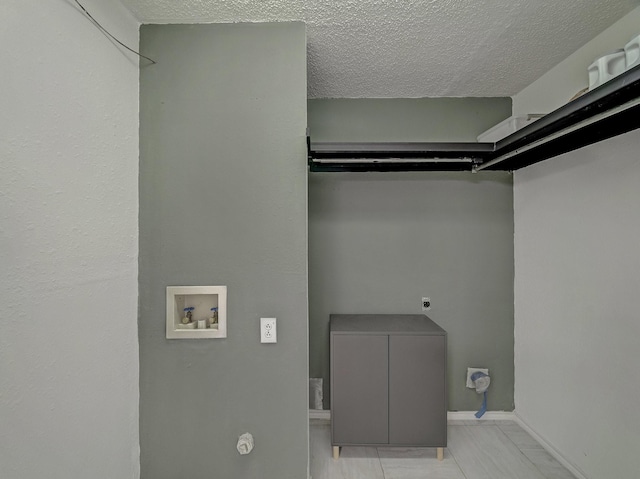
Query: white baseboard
{"type": "Point", "coordinates": [550, 448]}
{"type": "Point", "coordinates": [325, 415]}
{"type": "Point", "coordinates": [322, 414]}
{"type": "Point", "coordinates": [488, 416]}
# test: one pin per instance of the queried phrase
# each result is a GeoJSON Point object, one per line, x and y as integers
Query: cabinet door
{"type": "Point", "coordinates": [359, 389]}
{"type": "Point", "coordinates": [417, 394]}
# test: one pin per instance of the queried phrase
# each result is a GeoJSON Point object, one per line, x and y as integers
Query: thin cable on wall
{"type": "Point", "coordinates": [97, 24]}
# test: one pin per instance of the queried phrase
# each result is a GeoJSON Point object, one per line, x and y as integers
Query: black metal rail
{"type": "Point", "coordinates": [605, 112]}
{"type": "Point", "coordinates": [397, 156]}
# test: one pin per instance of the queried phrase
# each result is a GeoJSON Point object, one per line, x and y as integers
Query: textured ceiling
{"type": "Point", "coordinates": [415, 48]}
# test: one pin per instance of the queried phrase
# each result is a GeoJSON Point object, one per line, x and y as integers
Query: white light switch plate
{"type": "Point", "coordinates": [268, 331]}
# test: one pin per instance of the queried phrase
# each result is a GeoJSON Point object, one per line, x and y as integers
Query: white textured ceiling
{"type": "Point", "coordinates": [415, 48]}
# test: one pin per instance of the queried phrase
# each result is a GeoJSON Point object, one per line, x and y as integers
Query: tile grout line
{"type": "Point", "coordinates": [456, 461]}
{"type": "Point", "coordinates": [520, 451]}
{"type": "Point", "coordinates": [457, 464]}
{"type": "Point", "coordinates": [384, 476]}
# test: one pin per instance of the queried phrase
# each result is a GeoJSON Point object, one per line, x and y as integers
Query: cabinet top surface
{"type": "Point", "coordinates": [384, 323]}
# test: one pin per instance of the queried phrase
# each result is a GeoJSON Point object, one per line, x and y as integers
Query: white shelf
{"type": "Point", "coordinates": [201, 299]}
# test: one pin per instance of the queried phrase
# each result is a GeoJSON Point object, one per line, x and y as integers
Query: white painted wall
{"type": "Point", "coordinates": [558, 85]}
{"type": "Point", "coordinates": [68, 242]}
{"type": "Point", "coordinates": [577, 280]}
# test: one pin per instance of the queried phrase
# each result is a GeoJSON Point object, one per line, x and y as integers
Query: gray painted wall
{"type": "Point", "coordinates": [404, 119]}
{"type": "Point", "coordinates": [68, 243]}
{"type": "Point", "coordinates": [378, 242]}
{"type": "Point", "coordinates": [223, 188]}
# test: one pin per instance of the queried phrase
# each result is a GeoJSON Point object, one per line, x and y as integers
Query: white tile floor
{"type": "Point", "coordinates": [476, 450]}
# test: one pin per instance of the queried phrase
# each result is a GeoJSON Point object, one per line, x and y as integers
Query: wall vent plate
{"type": "Point", "coordinates": [470, 371]}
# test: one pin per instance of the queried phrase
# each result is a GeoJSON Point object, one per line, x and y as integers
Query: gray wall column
{"type": "Point", "coordinates": [223, 189]}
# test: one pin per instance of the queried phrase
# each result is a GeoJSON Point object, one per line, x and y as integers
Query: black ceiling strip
{"type": "Point", "coordinates": [376, 151]}
{"type": "Point", "coordinates": [328, 147]}
{"type": "Point", "coordinates": [353, 166]}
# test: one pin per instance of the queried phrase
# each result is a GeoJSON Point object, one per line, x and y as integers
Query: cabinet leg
{"type": "Point", "coordinates": [336, 452]}
{"type": "Point", "coordinates": [440, 453]}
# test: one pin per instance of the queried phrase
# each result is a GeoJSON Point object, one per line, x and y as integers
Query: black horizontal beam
{"type": "Point", "coordinates": [320, 151]}
{"type": "Point", "coordinates": [615, 92]}
{"type": "Point", "coordinates": [615, 125]}
{"type": "Point", "coordinates": [397, 156]}
{"type": "Point", "coordinates": [529, 143]}
{"type": "Point", "coordinates": [355, 166]}
{"type": "Point", "coordinates": [606, 111]}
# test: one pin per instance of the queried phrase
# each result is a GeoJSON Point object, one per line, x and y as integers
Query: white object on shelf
{"type": "Point", "coordinates": [507, 127]}
{"type": "Point", "coordinates": [606, 67]}
{"type": "Point", "coordinates": [632, 53]}
{"type": "Point", "coordinates": [202, 299]}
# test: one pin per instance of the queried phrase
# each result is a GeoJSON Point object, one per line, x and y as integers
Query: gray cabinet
{"type": "Point", "coordinates": [388, 381]}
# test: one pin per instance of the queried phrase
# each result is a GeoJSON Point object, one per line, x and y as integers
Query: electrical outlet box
{"type": "Point", "coordinates": [470, 371]}
{"type": "Point", "coordinates": [426, 303]}
{"type": "Point", "coordinates": [268, 330]}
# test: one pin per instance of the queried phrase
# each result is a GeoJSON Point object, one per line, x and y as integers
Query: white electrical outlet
{"type": "Point", "coordinates": [268, 331]}
{"type": "Point", "coordinates": [426, 303]}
